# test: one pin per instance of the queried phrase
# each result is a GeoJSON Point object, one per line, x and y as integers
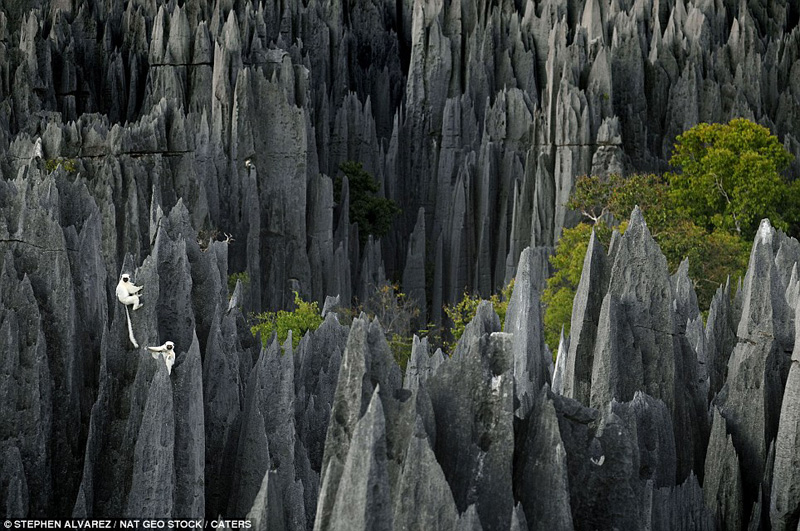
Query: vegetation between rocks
{"type": "Point", "coordinates": [69, 165]}
{"type": "Point", "coordinates": [709, 212]}
{"type": "Point", "coordinates": [730, 177]}
{"type": "Point", "coordinates": [462, 312]}
{"type": "Point", "coordinates": [306, 316]}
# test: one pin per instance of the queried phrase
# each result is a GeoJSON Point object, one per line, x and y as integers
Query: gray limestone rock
{"type": "Point", "coordinates": [13, 485]}
{"type": "Point", "coordinates": [585, 319]}
{"type": "Point", "coordinates": [362, 499]}
{"type": "Point", "coordinates": [34, 250]}
{"type": "Point", "coordinates": [190, 450]}
{"type": "Point", "coordinates": [685, 297]}
{"type": "Point", "coordinates": [485, 322]}
{"type": "Point", "coordinates": [784, 510]}
{"type": "Point", "coordinates": [542, 458]}
{"type": "Point", "coordinates": [618, 366]}
{"type": "Point", "coordinates": [578, 425]}
{"type": "Point", "coordinates": [267, 511]}
{"type": "Point", "coordinates": [476, 434]}
{"type": "Point", "coordinates": [153, 481]}
{"type": "Point", "coordinates": [26, 388]}
{"type": "Point", "coordinates": [372, 275]}
{"type": "Point", "coordinates": [681, 507]}
{"type": "Point", "coordinates": [423, 499]}
{"type": "Point", "coordinates": [118, 413]}
{"type": "Point", "coordinates": [414, 272]}
{"type": "Point", "coordinates": [644, 295]}
{"type": "Point", "coordinates": [722, 488]}
{"type": "Point", "coordinates": [613, 479]}
{"type": "Point", "coordinates": [174, 304]}
{"type": "Point", "coordinates": [650, 420]}
{"type": "Point", "coordinates": [469, 520]}
{"type": "Point", "coordinates": [342, 282]}
{"type": "Point", "coordinates": [320, 235]}
{"type": "Point", "coordinates": [695, 334]}
{"type": "Point", "coordinates": [317, 361]}
{"type": "Point", "coordinates": [252, 456]}
{"type": "Point", "coordinates": [223, 390]}
{"type": "Point", "coordinates": [793, 288]}
{"type": "Point", "coordinates": [751, 399]}
{"type": "Point", "coordinates": [518, 520]}
{"type": "Point", "coordinates": [641, 283]}
{"type": "Point", "coordinates": [764, 307]}
{"type": "Point", "coordinates": [421, 365]}
{"type": "Point", "coordinates": [366, 364]}
{"type": "Point", "coordinates": [787, 254]}
{"type": "Point", "coordinates": [479, 117]}
{"type": "Point", "coordinates": [524, 322]}
{"type": "Point", "coordinates": [409, 413]}
{"type": "Point", "coordinates": [609, 159]}
{"type": "Point", "coordinates": [331, 304]}
{"type": "Point", "coordinates": [267, 440]}
{"type": "Point", "coordinates": [720, 338]}
{"type": "Point", "coordinates": [560, 364]}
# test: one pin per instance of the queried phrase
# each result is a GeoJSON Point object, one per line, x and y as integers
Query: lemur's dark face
{"type": "Point", "coordinates": [169, 347]}
{"type": "Point", "coordinates": [125, 278]}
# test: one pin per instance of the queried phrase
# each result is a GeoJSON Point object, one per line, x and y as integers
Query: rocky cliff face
{"type": "Point", "coordinates": [125, 128]}
{"type": "Point", "coordinates": [475, 117]}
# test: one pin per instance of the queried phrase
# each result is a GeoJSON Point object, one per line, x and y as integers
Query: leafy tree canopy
{"type": "Point", "coordinates": [714, 253]}
{"type": "Point", "coordinates": [373, 214]}
{"type": "Point", "coordinates": [731, 178]}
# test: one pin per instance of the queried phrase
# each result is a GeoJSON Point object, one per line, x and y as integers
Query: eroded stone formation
{"type": "Point", "coordinates": [125, 128]}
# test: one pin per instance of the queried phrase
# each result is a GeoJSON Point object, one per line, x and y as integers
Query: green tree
{"type": "Point", "coordinates": [731, 178]}
{"type": "Point", "coordinates": [373, 214]}
{"type": "Point", "coordinates": [306, 316]}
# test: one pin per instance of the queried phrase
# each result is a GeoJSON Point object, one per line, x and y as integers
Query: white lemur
{"type": "Point", "coordinates": [38, 152]}
{"type": "Point", "coordinates": [168, 351]}
{"type": "Point", "coordinates": [127, 294]}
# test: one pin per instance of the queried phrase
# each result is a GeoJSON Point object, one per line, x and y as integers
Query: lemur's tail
{"type": "Point", "coordinates": [130, 328]}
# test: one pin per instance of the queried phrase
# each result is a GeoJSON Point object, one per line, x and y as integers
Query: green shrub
{"type": "Point", "coordinates": [69, 165]}
{"type": "Point", "coordinates": [500, 301]}
{"type": "Point", "coordinates": [401, 349]}
{"type": "Point", "coordinates": [306, 316]}
{"type": "Point", "coordinates": [461, 314]}
{"type": "Point", "coordinates": [463, 311]}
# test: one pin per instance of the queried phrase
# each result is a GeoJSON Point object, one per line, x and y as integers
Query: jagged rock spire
{"type": "Point", "coordinates": [524, 322]}
{"type": "Point", "coordinates": [752, 410]}
{"type": "Point", "coordinates": [585, 319]}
